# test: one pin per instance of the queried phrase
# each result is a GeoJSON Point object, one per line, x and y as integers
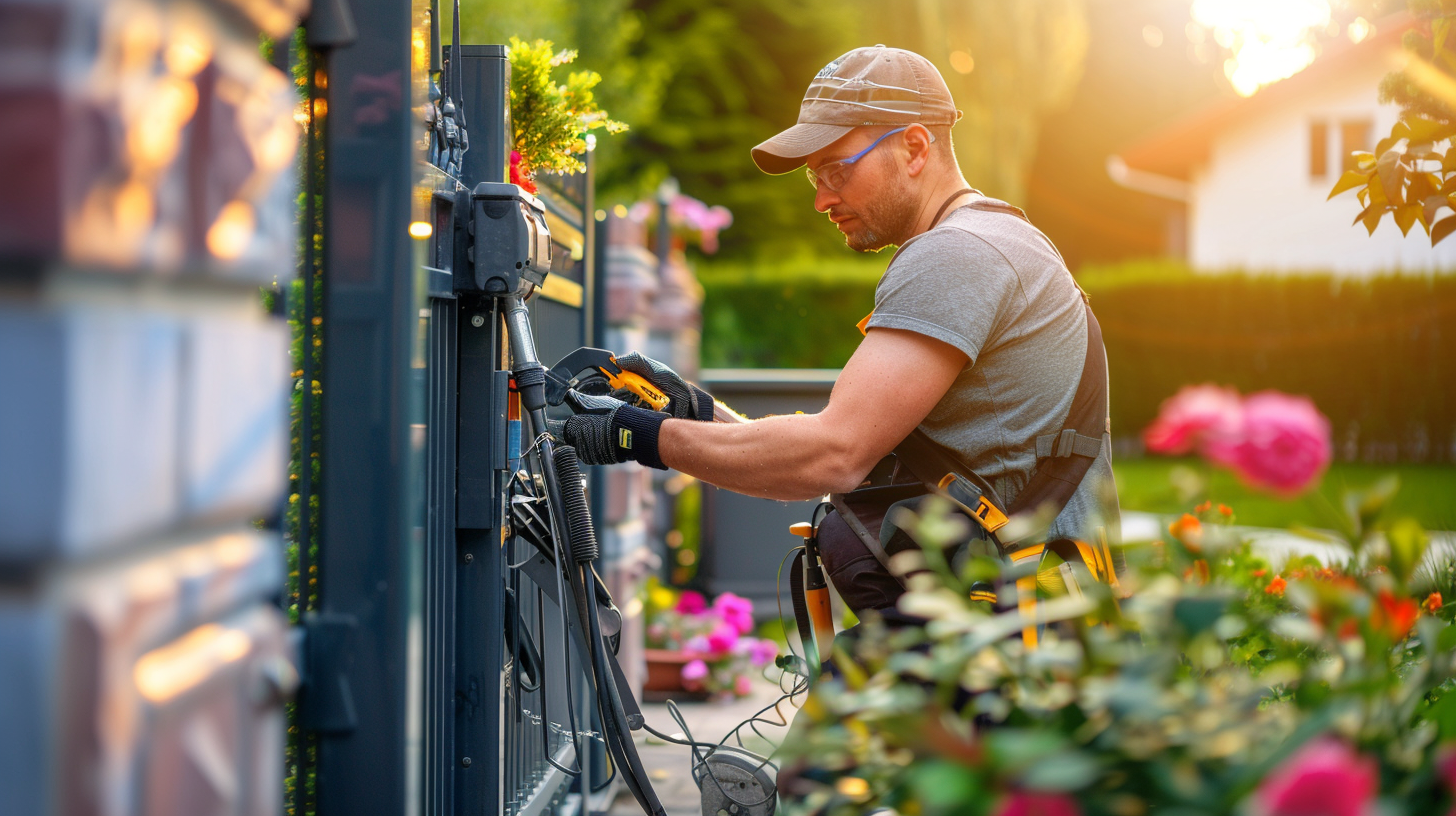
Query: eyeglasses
{"type": "Point", "coordinates": [834, 175]}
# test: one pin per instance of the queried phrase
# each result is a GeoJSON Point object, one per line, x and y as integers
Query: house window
{"type": "Point", "coordinates": [1354, 136]}
{"type": "Point", "coordinates": [1319, 149]}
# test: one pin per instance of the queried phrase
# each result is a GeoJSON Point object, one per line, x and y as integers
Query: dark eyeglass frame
{"type": "Point", "coordinates": [834, 175]}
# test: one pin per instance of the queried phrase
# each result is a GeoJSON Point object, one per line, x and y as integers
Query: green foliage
{"type": "Point", "coordinates": [1411, 175]}
{"type": "Point", "coordinates": [1165, 485]}
{"type": "Point", "coordinates": [1185, 696]}
{"type": "Point", "coordinates": [1026, 59]}
{"type": "Point", "coordinates": [551, 121]}
{"type": "Point", "coordinates": [701, 83]}
{"type": "Point", "coordinates": [1375, 354]}
{"type": "Point", "coordinates": [798, 315]}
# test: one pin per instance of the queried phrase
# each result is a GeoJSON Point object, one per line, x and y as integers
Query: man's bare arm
{"type": "Point", "coordinates": [888, 387]}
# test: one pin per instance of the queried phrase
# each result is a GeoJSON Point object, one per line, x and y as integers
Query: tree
{"type": "Point", "coordinates": [1008, 65]}
{"type": "Point", "coordinates": [1411, 174]}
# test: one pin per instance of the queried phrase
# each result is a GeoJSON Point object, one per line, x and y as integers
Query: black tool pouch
{"type": "Point", "coordinates": [849, 545]}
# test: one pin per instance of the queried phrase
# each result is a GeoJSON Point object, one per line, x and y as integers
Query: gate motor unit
{"type": "Point", "coordinates": [510, 250]}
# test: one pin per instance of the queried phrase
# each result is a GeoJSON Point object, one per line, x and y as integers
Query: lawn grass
{"type": "Point", "coordinates": [1171, 485]}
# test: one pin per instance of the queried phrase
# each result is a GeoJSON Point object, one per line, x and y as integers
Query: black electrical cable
{"type": "Point", "coordinates": [543, 458]}
{"type": "Point", "coordinates": [613, 715]}
{"type": "Point", "coordinates": [632, 770]}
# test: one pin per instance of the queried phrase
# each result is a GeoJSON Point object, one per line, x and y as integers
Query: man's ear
{"type": "Point", "coordinates": [917, 144]}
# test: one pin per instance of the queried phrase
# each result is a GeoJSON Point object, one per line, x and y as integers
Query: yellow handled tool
{"type": "Point", "coordinates": [586, 363]}
{"type": "Point", "coordinates": [637, 384]}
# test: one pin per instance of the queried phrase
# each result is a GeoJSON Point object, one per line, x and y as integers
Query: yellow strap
{"type": "Point", "coordinates": [1107, 555]}
{"type": "Point", "coordinates": [1026, 604]}
{"type": "Point", "coordinates": [1092, 559]}
{"type": "Point", "coordinates": [1027, 552]}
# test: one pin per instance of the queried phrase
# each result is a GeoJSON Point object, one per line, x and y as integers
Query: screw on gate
{"type": "Point", "coordinates": [469, 557]}
{"type": "Point", "coordinates": [477, 321]}
{"type": "Point", "coordinates": [465, 762]}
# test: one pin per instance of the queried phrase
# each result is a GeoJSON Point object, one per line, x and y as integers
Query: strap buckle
{"type": "Point", "coordinates": [973, 501]}
{"type": "Point", "coordinates": [1066, 443]}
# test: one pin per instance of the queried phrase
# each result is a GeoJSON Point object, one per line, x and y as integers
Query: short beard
{"type": "Point", "coordinates": [886, 221]}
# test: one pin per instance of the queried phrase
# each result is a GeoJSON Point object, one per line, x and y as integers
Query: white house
{"type": "Point", "coordinates": [1254, 173]}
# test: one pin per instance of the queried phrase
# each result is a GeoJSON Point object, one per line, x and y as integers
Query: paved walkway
{"type": "Point", "coordinates": [670, 766]}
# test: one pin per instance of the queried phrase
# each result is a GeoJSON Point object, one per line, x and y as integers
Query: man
{"type": "Point", "coordinates": [978, 335]}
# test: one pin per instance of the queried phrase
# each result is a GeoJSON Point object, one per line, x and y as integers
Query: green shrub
{"type": "Point", "coordinates": [798, 314]}
{"type": "Point", "coordinates": [1375, 355]}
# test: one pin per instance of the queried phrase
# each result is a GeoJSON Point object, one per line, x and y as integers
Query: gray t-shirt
{"type": "Point", "coordinates": [993, 286]}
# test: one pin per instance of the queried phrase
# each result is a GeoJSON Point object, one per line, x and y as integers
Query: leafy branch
{"type": "Point", "coordinates": [551, 121]}
{"type": "Point", "coordinates": [1412, 172]}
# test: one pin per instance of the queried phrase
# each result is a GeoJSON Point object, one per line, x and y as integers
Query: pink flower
{"type": "Point", "coordinates": [1021, 803]}
{"type": "Point", "coordinates": [742, 685]}
{"type": "Point", "coordinates": [518, 175]}
{"type": "Point", "coordinates": [1195, 413]}
{"type": "Point", "coordinates": [722, 638]}
{"type": "Point", "coordinates": [1283, 444]}
{"type": "Point", "coordinates": [1446, 765]}
{"type": "Point", "coordinates": [763, 652]}
{"type": "Point", "coordinates": [697, 643]}
{"type": "Point", "coordinates": [1324, 778]}
{"type": "Point", "coordinates": [691, 603]}
{"type": "Point", "coordinates": [735, 611]}
{"type": "Point", "coordinates": [694, 670]}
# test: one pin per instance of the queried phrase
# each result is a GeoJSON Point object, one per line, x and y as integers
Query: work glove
{"type": "Point", "coordinates": [685, 400]}
{"type": "Point", "coordinates": [607, 431]}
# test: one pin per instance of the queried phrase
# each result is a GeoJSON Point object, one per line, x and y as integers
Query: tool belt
{"type": "Point", "coordinates": [859, 537]}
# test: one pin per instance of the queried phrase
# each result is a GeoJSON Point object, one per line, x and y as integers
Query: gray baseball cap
{"type": "Point", "coordinates": [867, 86]}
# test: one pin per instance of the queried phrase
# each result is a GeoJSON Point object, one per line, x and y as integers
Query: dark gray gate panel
{"type": "Point", "coordinates": [372, 469]}
{"type": "Point", "coordinates": [745, 538]}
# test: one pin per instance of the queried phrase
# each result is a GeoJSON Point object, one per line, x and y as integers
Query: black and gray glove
{"type": "Point", "coordinates": [685, 400]}
{"type": "Point", "coordinates": [608, 435]}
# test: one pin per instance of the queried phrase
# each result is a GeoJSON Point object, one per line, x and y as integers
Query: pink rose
{"type": "Point", "coordinates": [1446, 765]}
{"type": "Point", "coordinates": [691, 603]}
{"type": "Point", "coordinates": [763, 652]}
{"type": "Point", "coordinates": [1022, 803]}
{"type": "Point", "coordinates": [1325, 777]}
{"type": "Point", "coordinates": [1194, 414]}
{"type": "Point", "coordinates": [742, 685]}
{"type": "Point", "coordinates": [722, 638]}
{"type": "Point", "coordinates": [694, 670]}
{"type": "Point", "coordinates": [736, 611]}
{"type": "Point", "coordinates": [1283, 444]}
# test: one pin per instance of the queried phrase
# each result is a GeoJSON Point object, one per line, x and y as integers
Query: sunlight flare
{"type": "Point", "coordinates": [1269, 40]}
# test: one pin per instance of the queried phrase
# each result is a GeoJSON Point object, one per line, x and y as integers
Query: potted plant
{"type": "Point", "coordinates": [551, 123]}
{"type": "Point", "coordinates": [701, 649]}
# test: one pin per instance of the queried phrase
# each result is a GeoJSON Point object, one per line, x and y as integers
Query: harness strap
{"type": "Point", "coordinates": [1063, 458]}
{"type": "Point", "coordinates": [1067, 443]}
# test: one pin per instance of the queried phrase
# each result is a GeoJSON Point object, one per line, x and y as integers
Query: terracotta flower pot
{"type": "Point", "coordinates": [664, 675]}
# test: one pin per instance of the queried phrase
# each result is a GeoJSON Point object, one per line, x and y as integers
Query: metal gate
{"type": "Point", "coordinates": [412, 701]}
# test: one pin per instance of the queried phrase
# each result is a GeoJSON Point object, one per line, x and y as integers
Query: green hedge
{"type": "Point", "coordinates": [794, 315]}
{"type": "Point", "coordinates": [1378, 356]}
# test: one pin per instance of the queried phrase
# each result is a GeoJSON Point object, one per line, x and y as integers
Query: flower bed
{"type": "Point", "coordinates": [1217, 682]}
{"type": "Point", "coordinates": [708, 645]}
